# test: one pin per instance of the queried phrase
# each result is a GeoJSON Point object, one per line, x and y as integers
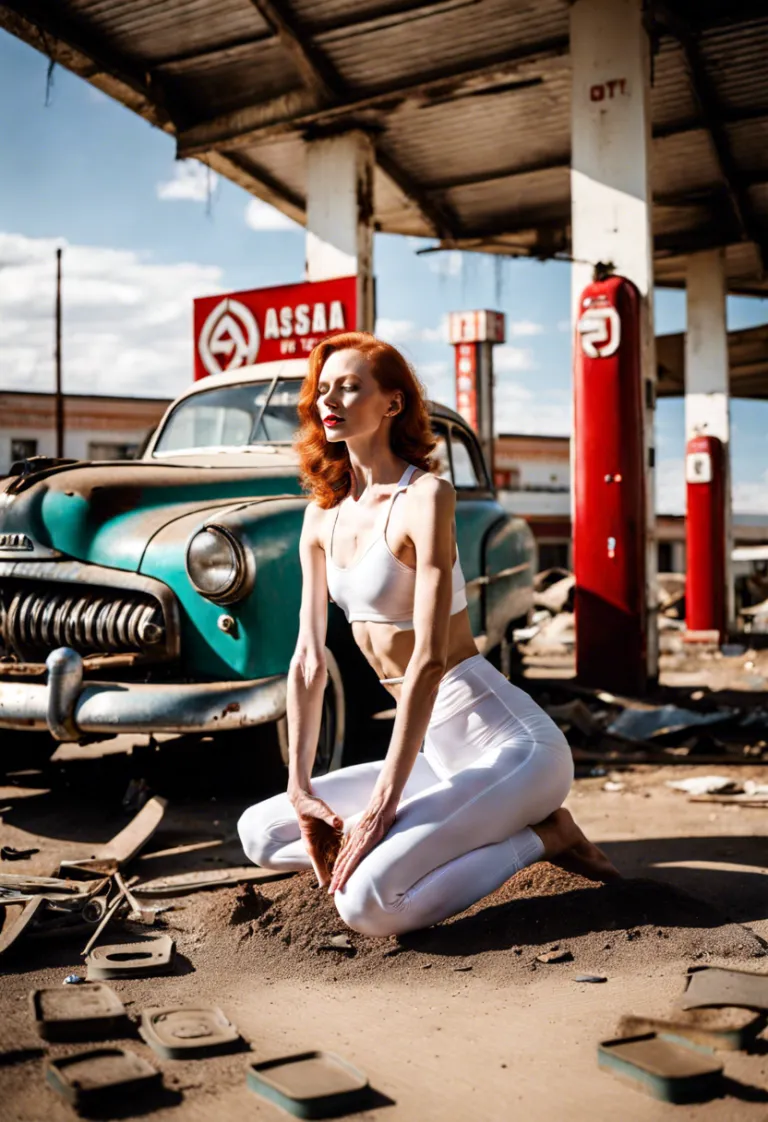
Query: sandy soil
{"type": "Point", "coordinates": [459, 1022]}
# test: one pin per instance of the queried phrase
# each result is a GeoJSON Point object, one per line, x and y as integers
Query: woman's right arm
{"type": "Point", "coordinates": [319, 825]}
{"type": "Point", "coordinates": [308, 670]}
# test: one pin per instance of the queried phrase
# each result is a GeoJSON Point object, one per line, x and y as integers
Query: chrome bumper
{"type": "Point", "coordinates": [69, 708]}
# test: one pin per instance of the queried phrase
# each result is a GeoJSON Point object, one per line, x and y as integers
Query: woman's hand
{"type": "Point", "coordinates": [361, 839]}
{"type": "Point", "coordinates": [320, 831]}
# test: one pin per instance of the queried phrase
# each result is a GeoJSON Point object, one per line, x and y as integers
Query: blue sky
{"type": "Point", "coordinates": [143, 235]}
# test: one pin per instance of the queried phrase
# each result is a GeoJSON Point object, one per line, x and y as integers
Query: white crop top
{"type": "Point", "coordinates": [377, 587]}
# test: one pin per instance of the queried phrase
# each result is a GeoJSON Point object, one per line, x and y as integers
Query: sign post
{"type": "Point", "coordinates": [473, 335]}
{"type": "Point", "coordinates": [267, 324]}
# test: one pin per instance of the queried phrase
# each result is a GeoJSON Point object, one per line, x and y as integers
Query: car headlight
{"type": "Point", "coordinates": [219, 566]}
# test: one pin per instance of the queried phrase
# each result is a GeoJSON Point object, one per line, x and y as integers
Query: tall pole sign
{"type": "Point", "coordinates": [473, 335]}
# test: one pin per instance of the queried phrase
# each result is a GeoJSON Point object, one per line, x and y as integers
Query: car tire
{"type": "Point", "coordinates": [22, 751]}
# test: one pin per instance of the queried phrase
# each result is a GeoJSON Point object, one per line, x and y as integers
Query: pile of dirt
{"type": "Point", "coordinates": [290, 924]}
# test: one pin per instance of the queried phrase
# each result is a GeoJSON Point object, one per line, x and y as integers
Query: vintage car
{"type": "Point", "coordinates": [162, 595]}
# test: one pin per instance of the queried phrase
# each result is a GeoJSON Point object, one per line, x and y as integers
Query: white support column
{"type": "Point", "coordinates": [340, 215]}
{"type": "Point", "coordinates": [707, 390]}
{"type": "Point", "coordinates": [611, 194]}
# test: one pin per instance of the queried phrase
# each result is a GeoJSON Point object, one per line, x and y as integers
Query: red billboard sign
{"type": "Point", "coordinates": [264, 324]}
{"type": "Point", "coordinates": [466, 382]}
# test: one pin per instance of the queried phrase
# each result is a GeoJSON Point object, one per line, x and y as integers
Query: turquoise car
{"type": "Point", "coordinates": [162, 595]}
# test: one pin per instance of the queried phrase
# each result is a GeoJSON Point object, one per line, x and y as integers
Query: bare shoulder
{"type": "Point", "coordinates": [431, 492]}
{"type": "Point", "coordinates": [315, 522]}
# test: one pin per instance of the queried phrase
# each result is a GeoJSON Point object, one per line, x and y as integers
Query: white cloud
{"type": "Point", "coordinates": [525, 327]}
{"type": "Point", "coordinates": [437, 334]}
{"type": "Point", "coordinates": [448, 264]}
{"type": "Point", "coordinates": [508, 360]}
{"type": "Point", "coordinates": [191, 181]}
{"type": "Point", "coordinates": [127, 321]}
{"type": "Point", "coordinates": [396, 330]}
{"type": "Point", "coordinates": [751, 497]}
{"type": "Point", "coordinates": [261, 216]}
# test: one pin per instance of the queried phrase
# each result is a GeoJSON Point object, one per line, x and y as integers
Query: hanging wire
{"type": "Point", "coordinates": [208, 191]}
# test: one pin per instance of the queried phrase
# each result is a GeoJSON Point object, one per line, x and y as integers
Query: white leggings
{"type": "Point", "coordinates": [493, 764]}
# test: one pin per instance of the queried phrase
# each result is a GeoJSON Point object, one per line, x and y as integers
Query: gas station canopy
{"type": "Point", "coordinates": [747, 359]}
{"type": "Point", "coordinates": [468, 102]}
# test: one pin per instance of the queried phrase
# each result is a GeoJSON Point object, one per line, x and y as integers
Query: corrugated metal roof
{"type": "Point", "coordinates": [468, 102]}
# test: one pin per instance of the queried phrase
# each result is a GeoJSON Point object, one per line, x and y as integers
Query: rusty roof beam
{"type": "Point", "coordinates": [258, 182]}
{"type": "Point", "coordinates": [327, 85]}
{"type": "Point", "coordinates": [315, 72]}
{"type": "Point", "coordinates": [43, 27]}
{"type": "Point", "coordinates": [244, 127]}
{"type": "Point", "coordinates": [705, 95]}
{"type": "Point", "coordinates": [441, 217]}
{"type": "Point", "coordinates": [409, 12]}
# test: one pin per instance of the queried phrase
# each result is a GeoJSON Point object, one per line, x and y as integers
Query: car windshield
{"type": "Point", "coordinates": [233, 417]}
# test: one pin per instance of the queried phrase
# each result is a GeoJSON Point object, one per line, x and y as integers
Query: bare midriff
{"type": "Point", "coordinates": [388, 649]}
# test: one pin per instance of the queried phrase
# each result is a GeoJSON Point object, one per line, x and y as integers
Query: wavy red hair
{"type": "Point", "coordinates": [324, 468]}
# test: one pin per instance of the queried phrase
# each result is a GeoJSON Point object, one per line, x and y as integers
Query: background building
{"type": "Point", "coordinates": [533, 474]}
{"type": "Point", "coordinates": [95, 428]}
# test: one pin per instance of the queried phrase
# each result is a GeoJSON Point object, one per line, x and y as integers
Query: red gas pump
{"type": "Point", "coordinates": [705, 604]}
{"type": "Point", "coordinates": [609, 490]}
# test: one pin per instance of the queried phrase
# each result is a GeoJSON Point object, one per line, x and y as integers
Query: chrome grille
{"type": "Point", "coordinates": [33, 622]}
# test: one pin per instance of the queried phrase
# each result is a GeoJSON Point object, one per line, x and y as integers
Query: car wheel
{"type": "Point", "coordinates": [22, 751]}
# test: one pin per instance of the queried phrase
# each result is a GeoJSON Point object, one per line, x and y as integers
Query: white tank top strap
{"type": "Point", "coordinates": [405, 479]}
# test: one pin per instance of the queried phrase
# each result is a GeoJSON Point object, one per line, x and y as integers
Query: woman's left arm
{"type": "Point", "coordinates": [430, 527]}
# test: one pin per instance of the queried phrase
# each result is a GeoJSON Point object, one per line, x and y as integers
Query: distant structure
{"type": "Point", "coordinates": [97, 428]}
{"type": "Point", "coordinates": [533, 475]}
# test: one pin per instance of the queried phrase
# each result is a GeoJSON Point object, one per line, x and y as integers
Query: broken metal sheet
{"type": "Point", "coordinates": [577, 714]}
{"type": "Point", "coordinates": [17, 918]}
{"type": "Point", "coordinates": [136, 834]}
{"type": "Point", "coordinates": [705, 785]}
{"type": "Point", "coordinates": [180, 884]}
{"type": "Point", "coordinates": [713, 986]}
{"type": "Point", "coordinates": [634, 724]}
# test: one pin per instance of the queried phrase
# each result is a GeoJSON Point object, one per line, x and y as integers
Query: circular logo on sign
{"type": "Point", "coordinates": [229, 337]}
{"type": "Point", "coordinates": [600, 330]}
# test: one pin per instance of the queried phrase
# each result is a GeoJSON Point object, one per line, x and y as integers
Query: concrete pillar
{"type": "Point", "coordinates": [611, 194]}
{"type": "Point", "coordinates": [340, 215]}
{"type": "Point", "coordinates": [707, 393]}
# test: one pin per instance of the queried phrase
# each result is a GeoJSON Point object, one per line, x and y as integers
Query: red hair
{"type": "Point", "coordinates": [324, 468]}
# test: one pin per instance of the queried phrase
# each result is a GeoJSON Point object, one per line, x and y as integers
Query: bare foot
{"type": "Point", "coordinates": [567, 846]}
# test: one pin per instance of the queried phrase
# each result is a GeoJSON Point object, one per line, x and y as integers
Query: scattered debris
{"type": "Point", "coordinates": [647, 724]}
{"type": "Point", "coordinates": [557, 596]}
{"type": "Point", "coordinates": [713, 985]}
{"type": "Point", "coordinates": [311, 1084]}
{"type": "Point", "coordinates": [726, 1029]}
{"type": "Point", "coordinates": [153, 955]}
{"type": "Point", "coordinates": [73, 980]}
{"type": "Point", "coordinates": [336, 943]}
{"type": "Point", "coordinates": [90, 1012]}
{"type": "Point", "coordinates": [555, 955]}
{"type": "Point", "coordinates": [188, 1032]}
{"type": "Point", "coordinates": [613, 785]}
{"type": "Point", "coordinates": [183, 883]}
{"type": "Point", "coordinates": [672, 1072]}
{"type": "Point", "coordinates": [704, 785]}
{"type": "Point", "coordinates": [97, 1078]}
{"type": "Point", "coordinates": [125, 845]}
{"type": "Point", "coordinates": [9, 853]}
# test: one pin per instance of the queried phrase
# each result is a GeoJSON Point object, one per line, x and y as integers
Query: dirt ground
{"type": "Point", "coordinates": [460, 1022]}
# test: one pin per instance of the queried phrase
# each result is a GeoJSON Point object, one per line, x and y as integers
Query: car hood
{"type": "Point", "coordinates": [108, 513]}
